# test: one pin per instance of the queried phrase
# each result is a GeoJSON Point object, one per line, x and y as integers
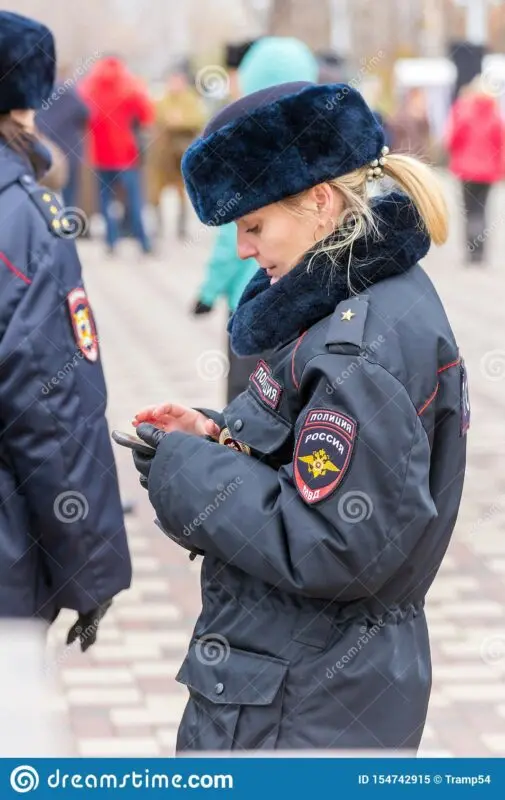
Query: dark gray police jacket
{"type": "Point", "coordinates": [62, 537]}
{"type": "Point", "coordinates": [323, 524]}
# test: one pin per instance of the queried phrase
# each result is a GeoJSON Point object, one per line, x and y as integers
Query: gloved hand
{"type": "Point", "coordinates": [86, 626]}
{"type": "Point", "coordinates": [200, 308]}
{"type": "Point", "coordinates": [153, 436]}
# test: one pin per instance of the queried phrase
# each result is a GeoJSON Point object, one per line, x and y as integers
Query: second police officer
{"type": "Point", "coordinates": [62, 538]}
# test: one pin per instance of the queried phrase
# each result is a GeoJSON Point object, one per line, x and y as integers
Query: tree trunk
{"type": "Point", "coordinates": [307, 21]}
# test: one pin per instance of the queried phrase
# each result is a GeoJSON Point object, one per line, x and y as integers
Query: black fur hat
{"type": "Point", "coordinates": [275, 143]}
{"type": "Point", "coordinates": [234, 53]}
{"type": "Point", "coordinates": [27, 62]}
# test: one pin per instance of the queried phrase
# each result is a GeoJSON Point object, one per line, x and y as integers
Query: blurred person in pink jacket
{"type": "Point", "coordinates": [475, 140]}
{"type": "Point", "coordinates": [120, 109]}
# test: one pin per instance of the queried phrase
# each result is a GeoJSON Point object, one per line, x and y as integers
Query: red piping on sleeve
{"type": "Point", "coordinates": [297, 345]}
{"type": "Point", "coordinates": [14, 269]}
{"type": "Point", "coordinates": [434, 393]}
{"type": "Point", "coordinates": [447, 366]}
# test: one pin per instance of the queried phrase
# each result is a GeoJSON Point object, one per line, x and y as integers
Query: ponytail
{"type": "Point", "coordinates": [415, 178]}
{"type": "Point", "coordinates": [421, 184]}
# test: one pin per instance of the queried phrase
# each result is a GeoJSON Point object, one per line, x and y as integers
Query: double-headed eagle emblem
{"type": "Point", "coordinates": [319, 463]}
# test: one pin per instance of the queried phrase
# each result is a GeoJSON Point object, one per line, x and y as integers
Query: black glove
{"type": "Point", "coordinates": [86, 626]}
{"type": "Point", "coordinates": [200, 308]}
{"type": "Point", "coordinates": [153, 436]}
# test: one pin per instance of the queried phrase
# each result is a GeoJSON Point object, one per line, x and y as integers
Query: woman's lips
{"type": "Point", "coordinates": [270, 273]}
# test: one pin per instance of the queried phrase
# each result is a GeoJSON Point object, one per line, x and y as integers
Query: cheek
{"type": "Point", "coordinates": [285, 240]}
{"type": "Point", "coordinates": [298, 239]}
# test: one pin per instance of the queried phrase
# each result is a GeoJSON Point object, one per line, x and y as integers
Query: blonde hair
{"type": "Point", "coordinates": [414, 177]}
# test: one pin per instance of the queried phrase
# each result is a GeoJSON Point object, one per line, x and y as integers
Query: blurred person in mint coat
{"type": "Point", "coordinates": [268, 62]}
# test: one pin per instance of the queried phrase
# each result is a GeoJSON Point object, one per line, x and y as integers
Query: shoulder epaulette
{"type": "Point", "coordinates": [47, 203]}
{"type": "Point", "coordinates": [346, 330]}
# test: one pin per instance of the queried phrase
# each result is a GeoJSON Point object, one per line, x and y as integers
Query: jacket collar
{"type": "Point", "coordinates": [270, 316]}
{"type": "Point", "coordinates": [13, 165]}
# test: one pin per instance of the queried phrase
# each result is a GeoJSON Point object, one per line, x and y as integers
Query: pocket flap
{"type": "Point", "coordinates": [252, 423]}
{"type": "Point", "coordinates": [235, 676]}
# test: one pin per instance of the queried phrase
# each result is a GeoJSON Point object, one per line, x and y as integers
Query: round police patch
{"type": "Point", "coordinates": [323, 453]}
{"type": "Point", "coordinates": [225, 438]}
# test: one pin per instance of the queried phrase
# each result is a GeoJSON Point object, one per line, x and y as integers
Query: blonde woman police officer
{"type": "Point", "coordinates": [324, 497]}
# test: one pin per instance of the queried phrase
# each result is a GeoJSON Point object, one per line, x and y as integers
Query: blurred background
{"type": "Point", "coordinates": [162, 290]}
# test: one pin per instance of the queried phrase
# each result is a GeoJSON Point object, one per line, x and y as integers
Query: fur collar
{"type": "Point", "coordinates": [270, 316]}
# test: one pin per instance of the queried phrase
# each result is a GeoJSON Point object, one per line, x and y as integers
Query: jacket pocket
{"type": "Point", "coordinates": [235, 698]}
{"type": "Point", "coordinates": [250, 422]}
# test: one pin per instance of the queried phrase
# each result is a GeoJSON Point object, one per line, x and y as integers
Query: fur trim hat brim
{"type": "Point", "coordinates": [27, 62]}
{"type": "Point", "coordinates": [275, 143]}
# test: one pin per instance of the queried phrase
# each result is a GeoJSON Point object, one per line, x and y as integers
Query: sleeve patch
{"type": "Point", "coordinates": [323, 453]}
{"type": "Point", "coordinates": [83, 323]}
{"type": "Point", "coordinates": [465, 400]}
{"type": "Point", "coordinates": [226, 438]}
{"type": "Point", "coordinates": [268, 388]}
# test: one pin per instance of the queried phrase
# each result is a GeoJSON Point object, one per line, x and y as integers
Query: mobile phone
{"type": "Point", "coordinates": [133, 442]}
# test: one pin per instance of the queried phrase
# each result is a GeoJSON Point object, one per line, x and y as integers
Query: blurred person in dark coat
{"type": "Point", "coordinates": [62, 539]}
{"type": "Point", "coordinates": [475, 140]}
{"type": "Point", "coordinates": [119, 109]}
{"type": "Point", "coordinates": [63, 119]}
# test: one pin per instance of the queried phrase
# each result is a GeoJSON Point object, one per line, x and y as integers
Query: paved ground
{"type": "Point", "coordinates": [121, 698]}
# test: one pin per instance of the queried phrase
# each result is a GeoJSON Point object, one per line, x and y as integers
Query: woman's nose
{"type": "Point", "coordinates": [245, 249]}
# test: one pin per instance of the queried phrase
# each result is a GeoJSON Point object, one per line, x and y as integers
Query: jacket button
{"type": "Point", "coordinates": [219, 688]}
{"type": "Point", "coordinates": [238, 425]}
{"type": "Point", "coordinates": [27, 179]}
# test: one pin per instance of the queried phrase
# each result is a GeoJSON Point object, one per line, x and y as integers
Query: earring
{"type": "Point", "coordinates": [319, 225]}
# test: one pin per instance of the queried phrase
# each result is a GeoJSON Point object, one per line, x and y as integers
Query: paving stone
{"type": "Point", "coordinates": [97, 677]}
{"type": "Point", "coordinates": [120, 747]}
{"type": "Point", "coordinates": [108, 697]}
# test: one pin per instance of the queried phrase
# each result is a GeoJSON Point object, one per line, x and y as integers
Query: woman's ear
{"type": "Point", "coordinates": [324, 199]}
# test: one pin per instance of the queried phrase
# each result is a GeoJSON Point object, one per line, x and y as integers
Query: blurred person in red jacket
{"type": "Point", "coordinates": [119, 110]}
{"type": "Point", "coordinates": [475, 140]}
